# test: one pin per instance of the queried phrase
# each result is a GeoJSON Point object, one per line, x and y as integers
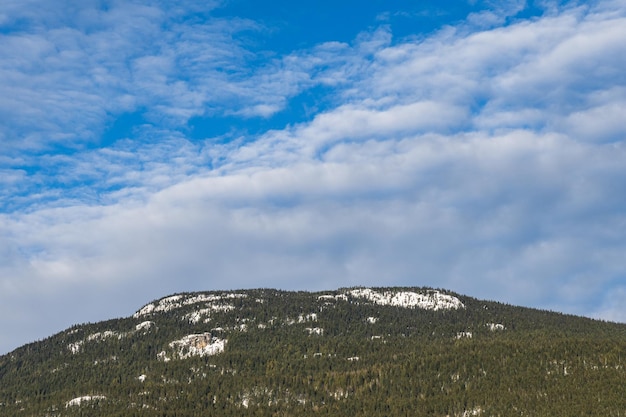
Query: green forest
{"type": "Point", "coordinates": [266, 352]}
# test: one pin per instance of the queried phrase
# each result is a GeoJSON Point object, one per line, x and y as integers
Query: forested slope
{"type": "Point", "coordinates": [351, 352]}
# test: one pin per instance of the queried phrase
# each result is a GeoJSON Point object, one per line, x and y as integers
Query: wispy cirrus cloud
{"type": "Point", "coordinates": [59, 81]}
{"type": "Point", "coordinates": [67, 76]}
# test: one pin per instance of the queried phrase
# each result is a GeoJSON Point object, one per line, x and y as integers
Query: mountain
{"type": "Point", "coordinates": [349, 352]}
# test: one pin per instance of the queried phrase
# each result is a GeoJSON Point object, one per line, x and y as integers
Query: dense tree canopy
{"type": "Point", "coordinates": [296, 353]}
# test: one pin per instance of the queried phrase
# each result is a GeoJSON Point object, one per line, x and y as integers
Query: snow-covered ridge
{"type": "Point", "coordinates": [208, 304]}
{"type": "Point", "coordinates": [77, 347]}
{"type": "Point", "coordinates": [429, 300]}
{"type": "Point", "coordinates": [177, 301]}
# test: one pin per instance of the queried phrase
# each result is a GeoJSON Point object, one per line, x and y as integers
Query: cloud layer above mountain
{"type": "Point", "coordinates": [148, 149]}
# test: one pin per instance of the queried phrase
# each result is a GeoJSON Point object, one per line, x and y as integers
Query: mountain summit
{"type": "Point", "coordinates": [349, 352]}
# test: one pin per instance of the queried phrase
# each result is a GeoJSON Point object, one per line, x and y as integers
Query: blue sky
{"type": "Point", "coordinates": [150, 147]}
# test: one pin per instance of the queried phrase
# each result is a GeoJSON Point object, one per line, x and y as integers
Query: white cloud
{"type": "Point", "coordinates": [479, 214]}
{"type": "Point", "coordinates": [73, 74]}
{"type": "Point", "coordinates": [489, 161]}
{"type": "Point", "coordinates": [612, 307]}
{"type": "Point", "coordinates": [601, 123]}
{"type": "Point", "coordinates": [496, 13]}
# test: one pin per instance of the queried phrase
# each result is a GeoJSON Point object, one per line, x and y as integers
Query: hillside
{"type": "Point", "coordinates": [350, 352]}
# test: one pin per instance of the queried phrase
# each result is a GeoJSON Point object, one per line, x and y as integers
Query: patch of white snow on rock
{"type": "Point", "coordinates": [79, 400]}
{"type": "Point", "coordinates": [177, 301]}
{"type": "Point", "coordinates": [430, 300]}
{"type": "Point", "coordinates": [100, 336]}
{"type": "Point", "coordinates": [146, 325]}
{"type": "Point", "coordinates": [309, 317]}
{"type": "Point", "coordinates": [315, 331]}
{"type": "Point", "coordinates": [203, 344]}
{"type": "Point", "coordinates": [204, 314]}
{"type": "Point", "coordinates": [329, 297]}
{"type": "Point", "coordinates": [77, 347]}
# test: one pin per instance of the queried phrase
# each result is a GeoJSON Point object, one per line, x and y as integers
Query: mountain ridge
{"type": "Point", "coordinates": [275, 352]}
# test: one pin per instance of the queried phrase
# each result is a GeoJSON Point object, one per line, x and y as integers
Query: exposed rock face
{"type": "Point", "coordinates": [203, 344]}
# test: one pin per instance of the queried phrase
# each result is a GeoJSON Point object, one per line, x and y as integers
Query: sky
{"type": "Point", "coordinates": [150, 147]}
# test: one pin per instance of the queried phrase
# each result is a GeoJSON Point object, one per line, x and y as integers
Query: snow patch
{"type": "Point", "coordinates": [203, 344]}
{"type": "Point", "coordinates": [308, 317]}
{"type": "Point", "coordinates": [205, 313]}
{"type": "Point", "coordinates": [177, 301]}
{"type": "Point", "coordinates": [145, 325]}
{"type": "Point", "coordinates": [79, 400]}
{"type": "Point", "coordinates": [431, 300]}
{"type": "Point", "coordinates": [476, 411]}
{"type": "Point", "coordinates": [196, 316]}
{"type": "Point", "coordinates": [100, 336]}
{"type": "Point", "coordinates": [315, 331]}
{"type": "Point", "coordinates": [330, 297]}
{"type": "Point", "coordinates": [495, 326]}
{"type": "Point", "coordinates": [372, 320]}
{"type": "Point", "coordinates": [76, 347]}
